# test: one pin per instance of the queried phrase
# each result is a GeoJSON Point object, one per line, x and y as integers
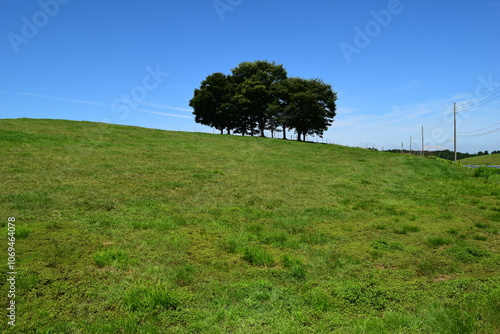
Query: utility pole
{"type": "Point", "coordinates": [422, 140]}
{"type": "Point", "coordinates": [410, 145]}
{"type": "Point", "coordinates": [455, 129]}
{"type": "Point", "coordinates": [402, 151]}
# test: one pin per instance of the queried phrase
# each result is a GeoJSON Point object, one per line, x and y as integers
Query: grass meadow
{"type": "Point", "coordinates": [491, 159]}
{"type": "Point", "coordinates": [131, 230]}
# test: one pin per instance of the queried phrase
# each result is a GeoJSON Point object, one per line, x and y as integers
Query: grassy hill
{"type": "Point", "coordinates": [491, 159]}
{"type": "Point", "coordinates": [131, 230]}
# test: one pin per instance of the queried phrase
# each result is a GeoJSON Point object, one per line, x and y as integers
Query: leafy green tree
{"type": "Point", "coordinates": [254, 83]}
{"type": "Point", "coordinates": [212, 103]}
{"type": "Point", "coordinates": [277, 109]}
{"type": "Point", "coordinates": [244, 114]}
{"type": "Point", "coordinates": [274, 121]}
{"type": "Point", "coordinates": [258, 96]}
{"type": "Point", "coordinates": [309, 106]}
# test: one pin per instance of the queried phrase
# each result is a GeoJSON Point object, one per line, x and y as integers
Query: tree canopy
{"type": "Point", "coordinates": [211, 102]}
{"type": "Point", "coordinates": [259, 96]}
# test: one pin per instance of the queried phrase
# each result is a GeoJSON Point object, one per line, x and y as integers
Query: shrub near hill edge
{"type": "Point", "coordinates": [133, 231]}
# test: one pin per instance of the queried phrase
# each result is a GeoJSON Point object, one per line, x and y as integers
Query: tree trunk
{"type": "Point", "coordinates": [284, 133]}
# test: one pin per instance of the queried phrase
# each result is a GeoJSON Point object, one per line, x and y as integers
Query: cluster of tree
{"type": "Point", "coordinates": [259, 96]}
{"type": "Point", "coordinates": [486, 152]}
{"type": "Point", "coordinates": [450, 155]}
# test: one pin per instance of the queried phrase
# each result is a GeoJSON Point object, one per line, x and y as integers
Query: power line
{"type": "Point", "coordinates": [466, 132]}
{"type": "Point", "coordinates": [494, 94]}
{"type": "Point", "coordinates": [480, 134]}
{"type": "Point", "coordinates": [487, 101]}
{"type": "Point", "coordinates": [458, 107]}
{"type": "Point", "coordinates": [440, 123]}
{"type": "Point", "coordinates": [464, 106]}
{"type": "Point", "coordinates": [479, 99]}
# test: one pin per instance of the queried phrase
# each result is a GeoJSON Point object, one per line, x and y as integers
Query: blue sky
{"type": "Point", "coordinates": [396, 65]}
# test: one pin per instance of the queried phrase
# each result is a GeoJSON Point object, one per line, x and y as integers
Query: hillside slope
{"type": "Point", "coordinates": [491, 159]}
{"type": "Point", "coordinates": [125, 229]}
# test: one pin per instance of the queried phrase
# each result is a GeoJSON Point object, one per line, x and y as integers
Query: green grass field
{"type": "Point", "coordinates": [131, 230]}
{"type": "Point", "coordinates": [491, 159]}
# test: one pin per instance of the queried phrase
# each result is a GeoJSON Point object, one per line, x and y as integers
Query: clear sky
{"type": "Point", "coordinates": [396, 65]}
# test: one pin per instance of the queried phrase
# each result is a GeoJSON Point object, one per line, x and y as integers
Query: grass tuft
{"type": "Point", "coordinates": [258, 257]}
{"type": "Point", "coordinates": [404, 229]}
{"type": "Point", "coordinates": [22, 232]}
{"type": "Point", "coordinates": [295, 266]}
{"type": "Point", "coordinates": [150, 298]}
{"type": "Point", "coordinates": [469, 254]}
{"type": "Point", "coordinates": [111, 257]}
{"type": "Point", "coordinates": [436, 242]}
